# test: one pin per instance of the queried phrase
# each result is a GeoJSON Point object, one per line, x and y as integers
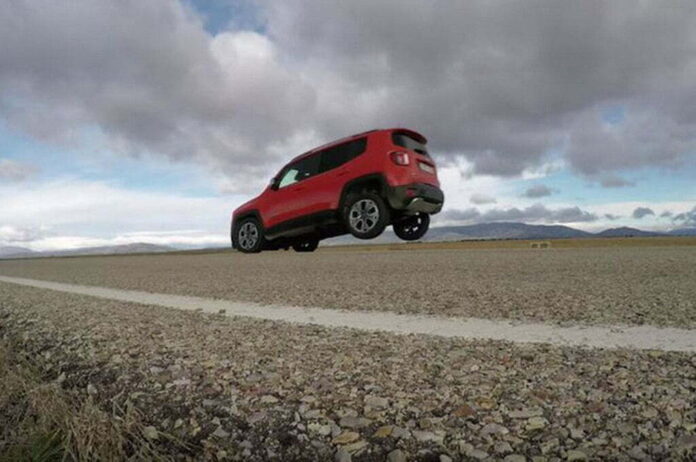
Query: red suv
{"type": "Point", "coordinates": [357, 185]}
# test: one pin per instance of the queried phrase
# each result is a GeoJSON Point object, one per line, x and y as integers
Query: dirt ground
{"type": "Point", "coordinates": [216, 388]}
{"type": "Point", "coordinates": [610, 285]}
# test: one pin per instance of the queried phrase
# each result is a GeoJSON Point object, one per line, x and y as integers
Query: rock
{"type": "Point", "coordinates": [342, 456]}
{"type": "Point", "coordinates": [220, 433]}
{"type": "Point", "coordinates": [464, 411]}
{"type": "Point", "coordinates": [400, 433]}
{"type": "Point", "coordinates": [502, 447]}
{"type": "Point", "coordinates": [686, 443]}
{"type": "Point", "coordinates": [525, 413]}
{"type": "Point", "coordinates": [355, 447]}
{"type": "Point", "coordinates": [445, 458]}
{"type": "Point", "coordinates": [575, 455]}
{"type": "Point", "coordinates": [354, 422]}
{"type": "Point", "coordinates": [397, 455]}
{"type": "Point", "coordinates": [150, 433]}
{"type": "Point", "coordinates": [319, 429]}
{"type": "Point", "coordinates": [376, 402]}
{"type": "Point", "coordinates": [494, 429]}
{"type": "Point", "coordinates": [256, 417]}
{"type": "Point", "coordinates": [536, 423]}
{"type": "Point", "coordinates": [485, 403]}
{"type": "Point", "coordinates": [384, 431]}
{"type": "Point", "coordinates": [515, 458]}
{"type": "Point", "coordinates": [477, 454]}
{"type": "Point", "coordinates": [425, 423]}
{"type": "Point", "coordinates": [346, 437]}
{"type": "Point", "coordinates": [91, 389]}
{"type": "Point", "coordinates": [427, 436]}
{"type": "Point", "coordinates": [269, 399]}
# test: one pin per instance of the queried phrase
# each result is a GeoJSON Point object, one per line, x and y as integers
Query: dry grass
{"type": "Point", "coordinates": [42, 422]}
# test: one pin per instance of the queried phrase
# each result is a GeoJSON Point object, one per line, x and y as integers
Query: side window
{"type": "Point", "coordinates": [339, 155]}
{"type": "Point", "coordinates": [298, 171]}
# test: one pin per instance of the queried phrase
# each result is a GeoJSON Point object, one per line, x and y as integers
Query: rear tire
{"type": "Point", "coordinates": [306, 246]}
{"type": "Point", "coordinates": [249, 236]}
{"type": "Point", "coordinates": [413, 227]}
{"type": "Point", "coordinates": [366, 215]}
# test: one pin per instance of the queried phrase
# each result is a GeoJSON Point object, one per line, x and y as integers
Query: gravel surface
{"type": "Point", "coordinates": [643, 337]}
{"type": "Point", "coordinates": [607, 286]}
{"type": "Point", "coordinates": [231, 388]}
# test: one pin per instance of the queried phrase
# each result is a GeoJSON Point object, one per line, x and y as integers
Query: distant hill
{"type": "Point", "coordinates": [9, 251]}
{"type": "Point", "coordinates": [627, 232]}
{"type": "Point", "coordinates": [505, 230]}
{"type": "Point", "coordinates": [683, 232]}
{"type": "Point", "coordinates": [138, 247]}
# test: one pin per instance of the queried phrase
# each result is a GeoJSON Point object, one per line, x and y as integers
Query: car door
{"type": "Point", "coordinates": [291, 194]}
{"type": "Point", "coordinates": [335, 169]}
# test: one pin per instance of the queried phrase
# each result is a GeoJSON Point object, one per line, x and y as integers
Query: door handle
{"type": "Point", "coordinates": [342, 173]}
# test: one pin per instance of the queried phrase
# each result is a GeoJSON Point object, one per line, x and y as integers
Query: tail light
{"type": "Point", "coordinates": [400, 157]}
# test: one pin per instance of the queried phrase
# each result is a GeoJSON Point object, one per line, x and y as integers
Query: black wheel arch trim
{"type": "Point", "coordinates": [369, 178]}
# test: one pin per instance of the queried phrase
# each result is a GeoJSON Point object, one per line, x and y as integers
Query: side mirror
{"type": "Point", "coordinates": [274, 183]}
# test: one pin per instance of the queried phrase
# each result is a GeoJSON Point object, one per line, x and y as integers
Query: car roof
{"type": "Point", "coordinates": [406, 131]}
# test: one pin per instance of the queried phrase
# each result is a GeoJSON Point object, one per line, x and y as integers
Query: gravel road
{"type": "Point", "coordinates": [232, 388]}
{"type": "Point", "coordinates": [596, 286]}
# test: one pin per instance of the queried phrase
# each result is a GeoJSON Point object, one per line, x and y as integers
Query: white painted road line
{"type": "Point", "coordinates": [631, 337]}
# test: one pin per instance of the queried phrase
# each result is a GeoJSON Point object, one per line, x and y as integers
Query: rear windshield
{"type": "Point", "coordinates": [405, 141]}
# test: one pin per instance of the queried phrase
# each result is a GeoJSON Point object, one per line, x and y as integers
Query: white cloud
{"type": "Point", "coordinates": [74, 213]}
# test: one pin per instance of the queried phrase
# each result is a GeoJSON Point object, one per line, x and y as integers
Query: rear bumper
{"type": "Point", "coordinates": [416, 197]}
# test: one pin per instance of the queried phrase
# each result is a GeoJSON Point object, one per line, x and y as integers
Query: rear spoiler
{"type": "Point", "coordinates": [413, 134]}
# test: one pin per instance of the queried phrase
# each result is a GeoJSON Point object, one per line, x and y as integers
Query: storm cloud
{"type": "Point", "coordinates": [641, 212]}
{"type": "Point", "coordinates": [538, 190]}
{"type": "Point", "coordinates": [500, 83]}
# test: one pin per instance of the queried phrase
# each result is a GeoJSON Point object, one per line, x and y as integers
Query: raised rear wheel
{"type": "Point", "coordinates": [309, 245]}
{"type": "Point", "coordinates": [413, 227]}
{"type": "Point", "coordinates": [366, 215]}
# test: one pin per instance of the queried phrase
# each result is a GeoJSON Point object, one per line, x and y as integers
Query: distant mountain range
{"type": "Point", "coordinates": [513, 230]}
{"type": "Point", "coordinates": [444, 233]}
{"type": "Point", "coordinates": [139, 247]}
{"type": "Point", "coordinates": [525, 231]}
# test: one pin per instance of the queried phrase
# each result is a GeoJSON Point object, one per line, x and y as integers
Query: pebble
{"type": "Point", "coordinates": [150, 433]}
{"type": "Point", "coordinates": [536, 423]}
{"type": "Point", "coordinates": [354, 422]}
{"type": "Point", "coordinates": [342, 455]}
{"type": "Point", "coordinates": [376, 402]}
{"type": "Point", "coordinates": [397, 455]}
{"type": "Point", "coordinates": [574, 455]}
{"type": "Point", "coordinates": [346, 437]}
{"type": "Point", "coordinates": [515, 458]}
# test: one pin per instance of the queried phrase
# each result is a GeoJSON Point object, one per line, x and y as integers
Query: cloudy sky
{"type": "Point", "coordinates": [133, 120]}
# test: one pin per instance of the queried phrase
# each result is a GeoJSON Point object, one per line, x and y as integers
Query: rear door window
{"type": "Point", "coordinates": [408, 142]}
{"type": "Point", "coordinates": [338, 155]}
{"type": "Point", "coordinates": [299, 170]}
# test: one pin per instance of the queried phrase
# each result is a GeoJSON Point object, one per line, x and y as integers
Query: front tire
{"type": "Point", "coordinates": [413, 227]}
{"type": "Point", "coordinates": [306, 246]}
{"type": "Point", "coordinates": [366, 215]}
{"type": "Point", "coordinates": [249, 236]}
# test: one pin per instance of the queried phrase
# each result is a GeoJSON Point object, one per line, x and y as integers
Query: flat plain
{"type": "Point", "coordinates": [595, 285]}
{"type": "Point", "coordinates": [209, 387]}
